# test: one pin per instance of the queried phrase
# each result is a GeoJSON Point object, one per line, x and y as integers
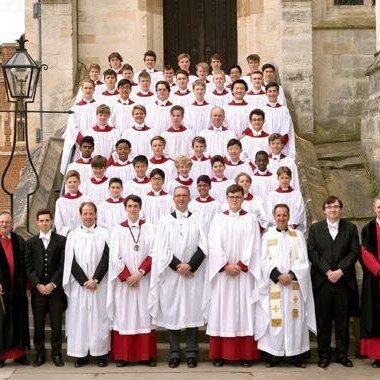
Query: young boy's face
{"type": "Point", "coordinates": [157, 148]}
{"type": "Point", "coordinates": [124, 91]}
{"type": "Point", "coordinates": [239, 91]}
{"type": "Point", "coordinates": [245, 183]}
{"type": "Point", "coordinates": [139, 116]}
{"type": "Point", "coordinates": [162, 92]}
{"type": "Point", "coordinates": [199, 92]}
{"type": "Point", "coordinates": [184, 64]}
{"type": "Point", "coordinates": [219, 80]}
{"type": "Point", "coordinates": [123, 151]}
{"type": "Point", "coordinates": [272, 94]}
{"type": "Point", "coordinates": [199, 149]}
{"type": "Point", "coordinates": [182, 81]}
{"type": "Point", "coordinates": [203, 189]}
{"type": "Point", "coordinates": [115, 63]}
{"type": "Point", "coordinates": [127, 74]}
{"type": "Point", "coordinates": [94, 74]}
{"type": "Point", "coordinates": [133, 209]}
{"type": "Point", "coordinates": [102, 118]}
{"type": "Point", "coordinates": [261, 162]}
{"type": "Point", "coordinates": [215, 64]}
{"type": "Point", "coordinates": [149, 62]}
{"type": "Point", "coordinates": [140, 169]}
{"type": "Point", "coordinates": [156, 182]}
{"type": "Point", "coordinates": [176, 118]}
{"type": "Point", "coordinates": [110, 82]}
{"type": "Point", "coordinates": [257, 81]}
{"type": "Point", "coordinates": [253, 65]}
{"type": "Point", "coordinates": [201, 72]}
{"type": "Point", "coordinates": [115, 190]}
{"type": "Point", "coordinates": [169, 75]}
{"type": "Point", "coordinates": [257, 122]}
{"type": "Point", "coordinates": [87, 90]}
{"type": "Point", "coordinates": [184, 170]}
{"type": "Point", "coordinates": [98, 172]}
{"type": "Point", "coordinates": [86, 150]}
{"type": "Point", "coordinates": [234, 74]}
{"type": "Point", "coordinates": [284, 180]}
{"type": "Point", "coordinates": [72, 184]}
{"type": "Point", "coordinates": [218, 169]}
{"type": "Point", "coordinates": [276, 146]}
{"type": "Point", "coordinates": [234, 152]}
{"type": "Point", "coordinates": [144, 84]}
{"type": "Point", "coordinates": [268, 75]}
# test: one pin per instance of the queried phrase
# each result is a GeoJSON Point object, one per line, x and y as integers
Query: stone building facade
{"type": "Point", "coordinates": [321, 51]}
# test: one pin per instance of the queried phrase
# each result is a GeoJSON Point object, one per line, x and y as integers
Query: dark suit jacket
{"type": "Point", "coordinates": [341, 253]}
{"type": "Point", "coordinates": [35, 260]}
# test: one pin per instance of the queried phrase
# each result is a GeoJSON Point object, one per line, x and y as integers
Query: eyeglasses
{"type": "Point", "coordinates": [157, 179]}
{"type": "Point", "coordinates": [332, 207]}
{"type": "Point", "coordinates": [234, 197]}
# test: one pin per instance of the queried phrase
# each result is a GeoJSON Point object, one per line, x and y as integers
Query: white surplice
{"type": "Point", "coordinates": [87, 324]}
{"type": "Point", "coordinates": [175, 301]}
{"type": "Point", "coordinates": [205, 210]}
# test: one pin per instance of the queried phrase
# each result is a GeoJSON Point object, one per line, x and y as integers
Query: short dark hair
{"type": "Point", "coordinates": [257, 111]}
{"type": "Point", "coordinates": [134, 198]}
{"type": "Point", "coordinates": [217, 158]}
{"type": "Point", "coordinates": [165, 83]}
{"type": "Point", "coordinates": [267, 66]}
{"type": "Point", "coordinates": [88, 140]}
{"type": "Point", "coordinates": [234, 189]}
{"type": "Point", "coordinates": [92, 204]}
{"type": "Point", "coordinates": [44, 211]}
{"type": "Point", "coordinates": [272, 84]}
{"type": "Point", "coordinates": [281, 205]}
{"type": "Point", "coordinates": [233, 142]}
{"type": "Point", "coordinates": [261, 153]}
{"type": "Point", "coordinates": [140, 159]}
{"type": "Point", "coordinates": [110, 72]}
{"type": "Point", "coordinates": [122, 82]}
{"type": "Point", "coordinates": [157, 171]}
{"type": "Point", "coordinates": [204, 178]}
{"type": "Point", "coordinates": [253, 57]}
{"type": "Point", "coordinates": [177, 108]}
{"type": "Point", "coordinates": [123, 141]}
{"type": "Point", "coordinates": [331, 199]}
{"type": "Point", "coordinates": [235, 67]}
{"type": "Point", "coordinates": [241, 81]}
{"type": "Point", "coordinates": [115, 180]}
{"type": "Point", "coordinates": [99, 161]}
{"type": "Point", "coordinates": [150, 53]}
{"type": "Point", "coordinates": [284, 169]}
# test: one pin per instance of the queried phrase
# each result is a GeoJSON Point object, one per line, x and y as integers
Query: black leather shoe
{"type": "Point", "coordinates": [151, 363]}
{"type": "Point", "coordinates": [346, 362]}
{"type": "Point", "coordinates": [270, 364]}
{"type": "Point", "coordinates": [80, 362]}
{"type": "Point", "coordinates": [246, 363]}
{"type": "Point", "coordinates": [57, 360]}
{"type": "Point", "coordinates": [174, 362]}
{"type": "Point", "coordinates": [40, 359]}
{"type": "Point", "coordinates": [218, 363]}
{"type": "Point", "coordinates": [102, 362]}
{"type": "Point", "coordinates": [323, 363]}
{"type": "Point", "coordinates": [23, 360]}
{"type": "Point", "coordinates": [298, 364]}
{"type": "Point", "coordinates": [2, 363]}
{"type": "Point", "coordinates": [192, 362]}
{"type": "Point", "coordinates": [376, 364]}
{"type": "Point", "coordinates": [121, 363]}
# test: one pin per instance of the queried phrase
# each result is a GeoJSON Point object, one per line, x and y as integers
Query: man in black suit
{"type": "Point", "coordinates": [44, 257]}
{"type": "Point", "coordinates": [333, 248]}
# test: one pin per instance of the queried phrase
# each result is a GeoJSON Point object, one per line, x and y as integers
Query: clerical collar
{"type": "Point", "coordinates": [333, 224]}
{"type": "Point", "coordinates": [182, 215]}
{"type": "Point", "coordinates": [88, 229]}
{"type": "Point", "coordinates": [46, 236]}
{"type": "Point", "coordinates": [283, 231]}
{"type": "Point", "coordinates": [136, 224]}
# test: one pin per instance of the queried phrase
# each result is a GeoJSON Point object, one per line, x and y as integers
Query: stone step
{"type": "Point", "coordinates": [338, 150]}
{"type": "Point", "coordinates": [356, 162]}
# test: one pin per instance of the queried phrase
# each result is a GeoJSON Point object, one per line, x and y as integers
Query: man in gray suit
{"type": "Point", "coordinates": [333, 248]}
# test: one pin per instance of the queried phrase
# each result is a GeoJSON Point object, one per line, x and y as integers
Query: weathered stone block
{"type": "Point", "coordinates": [296, 15]}
{"type": "Point", "coordinates": [87, 38]}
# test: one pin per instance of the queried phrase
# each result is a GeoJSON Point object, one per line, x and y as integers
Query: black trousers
{"type": "Point", "coordinates": [331, 305]}
{"type": "Point", "coordinates": [53, 305]}
{"type": "Point", "coordinates": [192, 336]}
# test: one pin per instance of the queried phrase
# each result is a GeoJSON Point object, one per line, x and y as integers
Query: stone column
{"type": "Point", "coordinates": [296, 70]}
{"type": "Point", "coordinates": [370, 125]}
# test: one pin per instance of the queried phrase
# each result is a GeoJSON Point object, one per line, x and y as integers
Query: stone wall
{"type": "Point", "coordinates": [343, 46]}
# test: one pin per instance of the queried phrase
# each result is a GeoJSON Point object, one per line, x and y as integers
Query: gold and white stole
{"type": "Point", "coordinates": [275, 289]}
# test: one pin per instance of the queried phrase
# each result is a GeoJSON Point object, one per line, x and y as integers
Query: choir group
{"type": "Point", "coordinates": [182, 209]}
